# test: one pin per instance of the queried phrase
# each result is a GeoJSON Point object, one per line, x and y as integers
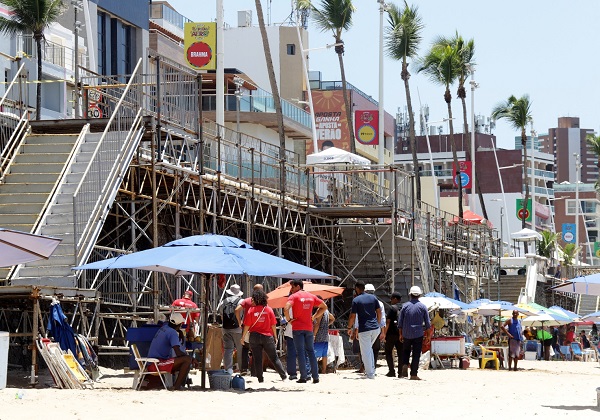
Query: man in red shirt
{"type": "Point", "coordinates": [183, 306]}
{"type": "Point", "coordinates": [302, 303]}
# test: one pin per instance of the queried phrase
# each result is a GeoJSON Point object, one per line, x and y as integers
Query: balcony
{"type": "Point", "coordinates": [52, 53]}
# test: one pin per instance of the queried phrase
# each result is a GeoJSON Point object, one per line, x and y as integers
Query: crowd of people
{"type": "Point", "coordinates": [249, 330]}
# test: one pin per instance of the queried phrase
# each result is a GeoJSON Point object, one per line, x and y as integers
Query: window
{"type": "Point", "coordinates": [102, 43]}
{"type": "Point", "coordinates": [586, 207]}
{"type": "Point", "coordinates": [291, 49]}
{"type": "Point", "coordinates": [114, 50]}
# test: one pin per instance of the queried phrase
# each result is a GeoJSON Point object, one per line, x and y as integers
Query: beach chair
{"type": "Point", "coordinates": [576, 351]}
{"type": "Point", "coordinates": [143, 363]}
{"type": "Point", "coordinates": [565, 353]}
{"type": "Point", "coordinates": [489, 355]}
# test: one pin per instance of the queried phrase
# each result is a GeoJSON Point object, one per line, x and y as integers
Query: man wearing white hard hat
{"type": "Point", "coordinates": [165, 343]}
{"type": "Point", "coordinates": [413, 324]}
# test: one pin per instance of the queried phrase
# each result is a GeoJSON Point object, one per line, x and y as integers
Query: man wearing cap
{"type": "Point", "coordinates": [183, 306]}
{"type": "Point", "coordinates": [366, 307]}
{"type": "Point", "coordinates": [413, 324]}
{"type": "Point", "coordinates": [232, 330]}
{"type": "Point", "coordinates": [165, 347]}
{"type": "Point", "coordinates": [370, 289]}
{"type": "Point", "coordinates": [392, 338]}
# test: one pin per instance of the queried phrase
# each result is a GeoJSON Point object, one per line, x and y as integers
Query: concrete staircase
{"type": "Point", "coordinates": [32, 189]}
{"type": "Point", "coordinates": [374, 263]}
{"type": "Point", "coordinates": [588, 304]}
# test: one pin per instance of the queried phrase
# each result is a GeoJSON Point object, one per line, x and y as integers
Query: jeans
{"type": "Point", "coordinates": [258, 343]}
{"type": "Point", "coordinates": [290, 358]}
{"type": "Point", "coordinates": [392, 343]}
{"type": "Point", "coordinates": [231, 341]}
{"type": "Point", "coordinates": [304, 343]}
{"type": "Point", "coordinates": [366, 340]}
{"type": "Point", "coordinates": [414, 345]}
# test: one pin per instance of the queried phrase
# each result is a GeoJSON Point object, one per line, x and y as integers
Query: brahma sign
{"type": "Point", "coordinates": [200, 45]}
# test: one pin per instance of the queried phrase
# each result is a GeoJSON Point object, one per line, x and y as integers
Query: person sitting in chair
{"type": "Point", "coordinates": [166, 347]}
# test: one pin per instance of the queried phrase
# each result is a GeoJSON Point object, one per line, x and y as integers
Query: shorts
{"type": "Point", "coordinates": [321, 349]}
{"type": "Point", "coordinates": [164, 365]}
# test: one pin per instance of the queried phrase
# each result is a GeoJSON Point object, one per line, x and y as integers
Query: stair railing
{"type": "Point", "coordinates": [13, 126]}
{"type": "Point", "coordinates": [105, 171]}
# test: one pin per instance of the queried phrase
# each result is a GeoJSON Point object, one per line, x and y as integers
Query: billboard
{"type": "Point", "coordinates": [200, 45]}
{"type": "Point", "coordinates": [568, 233]}
{"type": "Point", "coordinates": [366, 127]}
{"type": "Point", "coordinates": [330, 121]}
{"type": "Point", "coordinates": [466, 178]}
{"type": "Point", "coordinates": [527, 209]}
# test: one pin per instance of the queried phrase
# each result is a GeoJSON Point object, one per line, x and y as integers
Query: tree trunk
{"type": "Point", "coordinates": [38, 88]}
{"type": "Point", "coordinates": [413, 143]}
{"type": "Point", "coordinates": [448, 97]}
{"type": "Point", "coordinates": [347, 102]}
{"type": "Point", "coordinates": [525, 183]}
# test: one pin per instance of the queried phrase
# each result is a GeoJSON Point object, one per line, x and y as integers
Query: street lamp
{"type": "Point", "coordinates": [381, 133]}
{"type": "Point", "coordinates": [77, 6]}
{"type": "Point", "coordinates": [474, 86]}
{"type": "Point", "coordinates": [577, 169]}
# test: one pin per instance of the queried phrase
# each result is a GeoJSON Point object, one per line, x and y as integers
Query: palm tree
{"type": "Point", "coordinates": [441, 65]}
{"type": "Point", "coordinates": [32, 16]}
{"type": "Point", "coordinates": [594, 142]}
{"type": "Point", "coordinates": [274, 91]}
{"type": "Point", "coordinates": [335, 16]}
{"type": "Point", "coordinates": [517, 111]}
{"type": "Point", "coordinates": [569, 255]}
{"type": "Point", "coordinates": [403, 36]}
{"type": "Point", "coordinates": [466, 62]}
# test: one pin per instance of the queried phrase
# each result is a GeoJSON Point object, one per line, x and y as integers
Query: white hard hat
{"type": "Point", "coordinates": [176, 318]}
{"type": "Point", "coordinates": [415, 290]}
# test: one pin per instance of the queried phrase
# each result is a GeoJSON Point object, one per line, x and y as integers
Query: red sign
{"type": "Point", "coordinates": [466, 172]}
{"type": "Point", "coordinates": [366, 127]}
{"type": "Point", "coordinates": [522, 212]}
{"type": "Point", "coordinates": [199, 54]}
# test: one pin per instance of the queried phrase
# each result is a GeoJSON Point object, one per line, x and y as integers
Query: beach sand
{"type": "Point", "coordinates": [548, 390]}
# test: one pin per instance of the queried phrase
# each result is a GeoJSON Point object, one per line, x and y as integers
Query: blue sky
{"type": "Point", "coordinates": [544, 48]}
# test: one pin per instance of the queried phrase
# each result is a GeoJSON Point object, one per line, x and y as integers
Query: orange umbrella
{"type": "Point", "coordinates": [279, 296]}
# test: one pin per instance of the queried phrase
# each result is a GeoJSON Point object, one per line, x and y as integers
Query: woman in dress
{"type": "Point", "coordinates": [260, 323]}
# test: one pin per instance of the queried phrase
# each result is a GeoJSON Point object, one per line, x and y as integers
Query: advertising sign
{"type": "Point", "coordinates": [568, 233]}
{"type": "Point", "coordinates": [330, 121]}
{"type": "Point", "coordinates": [200, 45]}
{"type": "Point", "coordinates": [465, 174]}
{"type": "Point", "coordinates": [366, 127]}
{"type": "Point", "coordinates": [524, 214]}
{"type": "Point", "coordinates": [597, 249]}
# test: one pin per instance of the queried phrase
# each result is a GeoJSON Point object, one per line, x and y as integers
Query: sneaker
{"type": "Point", "coordinates": [245, 373]}
{"type": "Point", "coordinates": [315, 381]}
{"type": "Point", "coordinates": [301, 381]}
{"type": "Point", "coordinates": [284, 377]}
{"type": "Point", "coordinates": [414, 378]}
{"type": "Point", "coordinates": [293, 377]}
{"type": "Point", "coordinates": [391, 374]}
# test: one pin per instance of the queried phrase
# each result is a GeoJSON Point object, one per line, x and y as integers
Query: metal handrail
{"type": "Point", "coordinates": [92, 176]}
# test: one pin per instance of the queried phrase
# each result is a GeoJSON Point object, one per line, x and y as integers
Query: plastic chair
{"type": "Point", "coordinates": [143, 363]}
{"type": "Point", "coordinates": [565, 352]}
{"type": "Point", "coordinates": [576, 350]}
{"type": "Point", "coordinates": [489, 355]}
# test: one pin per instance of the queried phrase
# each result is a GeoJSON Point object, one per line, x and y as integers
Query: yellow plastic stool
{"type": "Point", "coordinates": [487, 355]}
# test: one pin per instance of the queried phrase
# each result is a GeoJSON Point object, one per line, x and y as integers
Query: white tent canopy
{"type": "Point", "coordinates": [526, 235]}
{"type": "Point", "coordinates": [334, 155]}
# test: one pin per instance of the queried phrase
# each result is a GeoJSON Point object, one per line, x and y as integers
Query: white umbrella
{"type": "Point", "coordinates": [501, 308]}
{"type": "Point", "coordinates": [543, 318]}
{"type": "Point", "coordinates": [595, 317]}
{"type": "Point", "coordinates": [584, 285]}
{"type": "Point", "coordinates": [20, 247]}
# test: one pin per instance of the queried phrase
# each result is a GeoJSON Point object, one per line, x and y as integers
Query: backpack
{"type": "Point", "coordinates": [229, 319]}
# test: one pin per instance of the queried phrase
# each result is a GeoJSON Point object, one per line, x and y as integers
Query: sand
{"type": "Point", "coordinates": [548, 390]}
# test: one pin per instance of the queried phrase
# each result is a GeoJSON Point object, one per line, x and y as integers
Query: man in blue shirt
{"type": "Point", "coordinates": [367, 308]}
{"type": "Point", "coordinates": [165, 343]}
{"type": "Point", "coordinates": [413, 324]}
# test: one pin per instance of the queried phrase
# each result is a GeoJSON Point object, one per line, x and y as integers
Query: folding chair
{"type": "Point", "coordinates": [576, 351]}
{"type": "Point", "coordinates": [565, 352]}
{"type": "Point", "coordinates": [143, 363]}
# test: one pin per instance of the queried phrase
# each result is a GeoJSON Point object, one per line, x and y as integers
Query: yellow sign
{"type": "Point", "coordinates": [200, 45]}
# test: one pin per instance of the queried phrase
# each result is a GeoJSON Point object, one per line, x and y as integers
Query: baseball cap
{"type": "Point", "coordinates": [188, 292]}
{"type": "Point", "coordinates": [369, 287]}
{"type": "Point", "coordinates": [415, 290]}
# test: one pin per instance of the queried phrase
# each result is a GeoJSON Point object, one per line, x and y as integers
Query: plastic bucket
{"type": "Point", "coordinates": [3, 358]}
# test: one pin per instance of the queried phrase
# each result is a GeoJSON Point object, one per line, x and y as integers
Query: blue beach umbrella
{"type": "Point", "coordinates": [59, 328]}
